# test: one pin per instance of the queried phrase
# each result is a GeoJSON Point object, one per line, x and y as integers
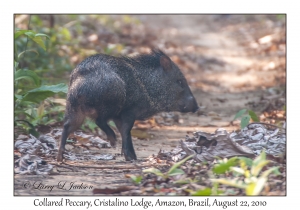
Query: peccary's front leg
{"type": "Point", "coordinates": [124, 125]}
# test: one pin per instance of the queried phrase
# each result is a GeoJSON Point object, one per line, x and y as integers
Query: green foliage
{"type": "Point", "coordinates": [245, 121]}
{"type": "Point", "coordinates": [155, 171]}
{"type": "Point", "coordinates": [112, 124]}
{"type": "Point", "coordinates": [251, 182]}
{"type": "Point", "coordinates": [39, 94]}
{"type": "Point", "coordinates": [136, 179]}
{"type": "Point", "coordinates": [48, 63]}
{"type": "Point", "coordinates": [44, 57]}
{"type": "Point", "coordinates": [224, 165]}
{"type": "Point", "coordinates": [240, 113]}
{"type": "Point", "coordinates": [253, 116]}
{"type": "Point", "coordinates": [247, 175]}
{"type": "Point", "coordinates": [28, 75]}
{"type": "Point", "coordinates": [66, 42]}
{"type": "Point", "coordinates": [30, 94]}
{"type": "Point", "coordinates": [207, 191]}
{"type": "Point", "coordinates": [204, 192]}
{"type": "Point", "coordinates": [90, 125]}
{"type": "Point", "coordinates": [245, 118]}
{"type": "Point", "coordinates": [246, 161]}
{"type": "Point", "coordinates": [173, 171]}
{"type": "Point", "coordinates": [36, 37]}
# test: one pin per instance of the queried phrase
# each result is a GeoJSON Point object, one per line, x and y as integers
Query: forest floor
{"type": "Point", "coordinates": [230, 62]}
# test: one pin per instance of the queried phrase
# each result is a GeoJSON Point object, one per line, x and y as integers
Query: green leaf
{"type": "Point", "coordinates": [221, 168]}
{"type": "Point", "coordinates": [23, 112]}
{"type": "Point", "coordinates": [112, 124]}
{"type": "Point", "coordinates": [21, 32]}
{"type": "Point", "coordinates": [253, 116]}
{"type": "Point", "coordinates": [43, 35]}
{"type": "Point", "coordinates": [39, 94]}
{"type": "Point", "coordinates": [176, 171]}
{"type": "Point", "coordinates": [37, 97]}
{"type": "Point", "coordinates": [31, 129]}
{"type": "Point", "coordinates": [18, 97]}
{"type": "Point", "coordinates": [237, 170]}
{"type": "Point", "coordinates": [233, 183]}
{"type": "Point", "coordinates": [258, 163]}
{"type": "Point", "coordinates": [136, 179]}
{"type": "Point", "coordinates": [240, 113]}
{"type": "Point", "coordinates": [204, 192]}
{"type": "Point", "coordinates": [16, 65]}
{"type": "Point", "coordinates": [261, 157]}
{"type": "Point", "coordinates": [274, 170]}
{"type": "Point", "coordinates": [54, 88]}
{"type": "Point", "coordinates": [91, 124]}
{"type": "Point", "coordinates": [39, 41]}
{"type": "Point", "coordinates": [29, 75]}
{"type": "Point", "coordinates": [66, 33]}
{"type": "Point", "coordinates": [176, 165]}
{"type": "Point", "coordinates": [247, 161]}
{"type": "Point", "coordinates": [40, 110]}
{"type": "Point", "coordinates": [31, 50]}
{"type": "Point", "coordinates": [257, 168]}
{"type": "Point", "coordinates": [32, 35]}
{"type": "Point", "coordinates": [33, 132]}
{"type": "Point", "coordinates": [154, 171]}
{"type": "Point", "coordinates": [256, 188]}
{"type": "Point", "coordinates": [245, 121]}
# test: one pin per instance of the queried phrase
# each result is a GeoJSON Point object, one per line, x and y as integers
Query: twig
{"type": "Point", "coordinates": [105, 167]}
{"type": "Point", "coordinates": [109, 167]}
{"type": "Point", "coordinates": [58, 165]}
{"type": "Point", "coordinates": [265, 124]}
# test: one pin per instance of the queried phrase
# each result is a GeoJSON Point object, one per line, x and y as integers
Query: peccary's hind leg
{"type": "Point", "coordinates": [70, 125]}
{"type": "Point", "coordinates": [110, 134]}
{"type": "Point", "coordinates": [124, 125]}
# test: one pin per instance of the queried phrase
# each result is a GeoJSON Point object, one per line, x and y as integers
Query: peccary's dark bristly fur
{"type": "Point", "coordinates": [124, 89]}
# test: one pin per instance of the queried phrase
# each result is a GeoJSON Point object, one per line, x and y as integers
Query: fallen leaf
{"type": "Point", "coordinates": [141, 134]}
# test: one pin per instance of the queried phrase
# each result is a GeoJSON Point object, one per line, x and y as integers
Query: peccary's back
{"type": "Point", "coordinates": [95, 85]}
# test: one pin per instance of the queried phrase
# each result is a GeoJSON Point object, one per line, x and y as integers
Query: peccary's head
{"type": "Point", "coordinates": [170, 87]}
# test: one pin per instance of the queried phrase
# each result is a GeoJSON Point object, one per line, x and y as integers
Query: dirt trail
{"type": "Point", "coordinates": [222, 76]}
{"type": "Point", "coordinates": [215, 78]}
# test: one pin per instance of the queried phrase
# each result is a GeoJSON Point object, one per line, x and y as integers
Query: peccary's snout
{"type": "Point", "coordinates": [191, 104]}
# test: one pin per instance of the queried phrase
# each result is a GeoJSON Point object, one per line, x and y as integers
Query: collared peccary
{"type": "Point", "coordinates": [124, 89]}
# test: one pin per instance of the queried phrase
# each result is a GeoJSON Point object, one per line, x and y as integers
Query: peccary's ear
{"type": "Point", "coordinates": [166, 63]}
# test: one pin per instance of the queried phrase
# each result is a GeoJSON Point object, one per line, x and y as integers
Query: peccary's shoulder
{"type": "Point", "coordinates": [145, 60]}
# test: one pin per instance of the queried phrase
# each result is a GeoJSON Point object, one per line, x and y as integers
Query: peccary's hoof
{"type": "Point", "coordinates": [130, 156]}
{"type": "Point", "coordinates": [59, 157]}
{"type": "Point", "coordinates": [113, 143]}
